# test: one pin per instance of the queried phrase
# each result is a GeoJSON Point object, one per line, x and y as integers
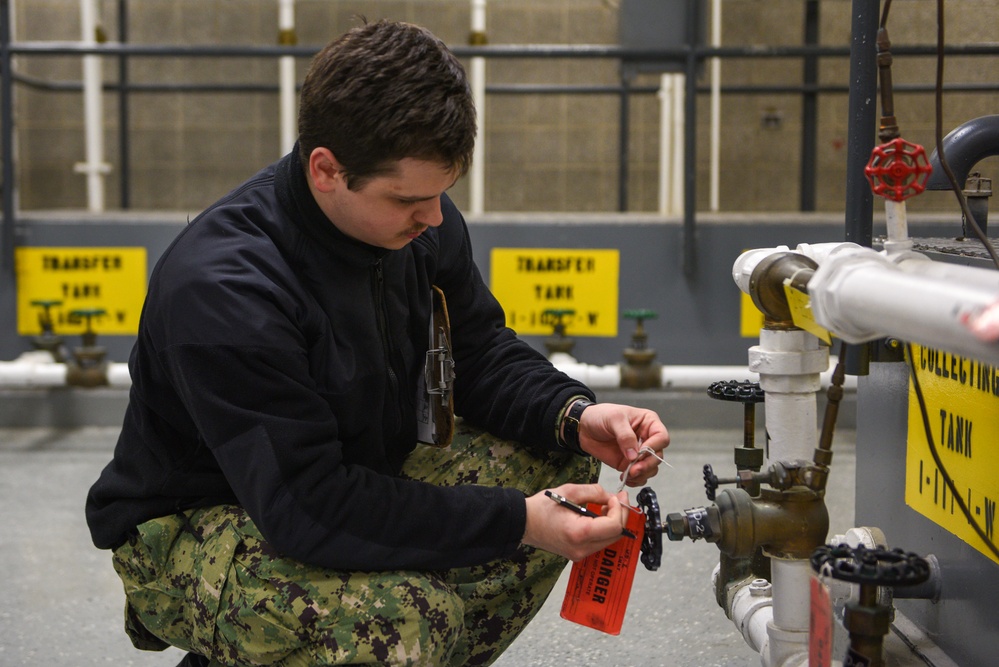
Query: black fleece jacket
{"type": "Point", "coordinates": [276, 367]}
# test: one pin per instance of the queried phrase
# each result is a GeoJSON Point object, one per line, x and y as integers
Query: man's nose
{"type": "Point", "coordinates": [429, 213]}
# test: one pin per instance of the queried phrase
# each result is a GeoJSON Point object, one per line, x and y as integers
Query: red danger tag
{"type": "Point", "coordinates": [820, 626]}
{"type": "Point", "coordinates": [600, 584]}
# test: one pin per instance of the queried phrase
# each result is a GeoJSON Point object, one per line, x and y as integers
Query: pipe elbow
{"type": "Point", "coordinates": [965, 146]}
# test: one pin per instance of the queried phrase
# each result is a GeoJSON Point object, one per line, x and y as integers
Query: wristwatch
{"type": "Point", "coordinates": [570, 424]}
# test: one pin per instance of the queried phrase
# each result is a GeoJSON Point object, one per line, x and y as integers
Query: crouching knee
{"type": "Point", "coordinates": [415, 619]}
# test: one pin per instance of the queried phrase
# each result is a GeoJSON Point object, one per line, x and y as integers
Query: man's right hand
{"type": "Point", "coordinates": [558, 529]}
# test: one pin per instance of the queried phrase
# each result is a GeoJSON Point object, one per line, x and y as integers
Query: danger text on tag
{"type": "Point", "coordinates": [599, 585]}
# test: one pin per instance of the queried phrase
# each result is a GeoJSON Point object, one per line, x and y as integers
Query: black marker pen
{"type": "Point", "coordinates": [579, 509]}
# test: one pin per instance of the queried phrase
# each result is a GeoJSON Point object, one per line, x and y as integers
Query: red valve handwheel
{"type": "Point", "coordinates": [898, 169]}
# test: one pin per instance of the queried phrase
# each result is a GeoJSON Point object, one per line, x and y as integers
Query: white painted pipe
{"type": "Point", "coordinates": [94, 168]}
{"type": "Point", "coordinates": [671, 114]}
{"type": "Point", "coordinates": [773, 617]}
{"type": "Point", "coordinates": [791, 580]}
{"type": "Point", "coordinates": [679, 115]}
{"type": "Point", "coordinates": [665, 95]}
{"type": "Point", "coordinates": [790, 364]}
{"type": "Point", "coordinates": [28, 372]}
{"type": "Point", "coordinates": [751, 610]}
{"type": "Point", "coordinates": [715, 146]}
{"type": "Point", "coordinates": [118, 375]}
{"type": "Point", "coordinates": [678, 377]}
{"type": "Point", "coordinates": [860, 295]}
{"type": "Point", "coordinates": [477, 173]}
{"type": "Point", "coordinates": [288, 111]}
{"type": "Point", "coordinates": [897, 227]}
{"type": "Point", "coordinates": [37, 370]}
{"type": "Point", "coordinates": [746, 263]}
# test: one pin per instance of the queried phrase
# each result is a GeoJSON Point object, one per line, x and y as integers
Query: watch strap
{"type": "Point", "coordinates": [570, 424]}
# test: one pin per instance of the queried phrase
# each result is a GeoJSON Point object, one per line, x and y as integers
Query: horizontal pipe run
{"type": "Point", "coordinates": [35, 369]}
{"type": "Point", "coordinates": [679, 55]}
{"type": "Point", "coordinates": [37, 83]}
{"type": "Point", "coordinates": [681, 378]}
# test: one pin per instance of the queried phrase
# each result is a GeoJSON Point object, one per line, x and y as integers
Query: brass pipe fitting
{"type": "Point", "coordinates": [766, 285]}
{"type": "Point", "coordinates": [786, 524]}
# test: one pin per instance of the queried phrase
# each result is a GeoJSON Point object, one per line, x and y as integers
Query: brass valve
{"type": "Point", "coordinates": [639, 371]}
{"type": "Point", "coordinates": [787, 524]}
{"type": "Point", "coordinates": [48, 339]}
{"type": "Point", "coordinates": [558, 341]}
{"type": "Point", "coordinates": [88, 366]}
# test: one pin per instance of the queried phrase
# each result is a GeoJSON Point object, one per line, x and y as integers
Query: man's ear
{"type": "Point", "coordinates": [325, 171]}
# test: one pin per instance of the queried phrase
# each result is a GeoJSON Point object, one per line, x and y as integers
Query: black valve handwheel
{"type": "Point", "coordinates": [880, 567]}
{"type": "Point", "coordinates": [739, 391]}
{"type": "Point", "coordinates": [710, 481]}
{"type": "Point", "coordinates": [652, 542]}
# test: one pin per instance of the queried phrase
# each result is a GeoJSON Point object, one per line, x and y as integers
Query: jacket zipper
{"type": "Point", "coordinates": [382, 314]}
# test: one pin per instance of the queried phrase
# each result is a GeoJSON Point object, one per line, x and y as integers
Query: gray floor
{"type": "Point", "coordinates": [61, 601]}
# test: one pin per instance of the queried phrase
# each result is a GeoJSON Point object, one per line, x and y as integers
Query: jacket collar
{"type": "Point", "coordinates": [293, 192]}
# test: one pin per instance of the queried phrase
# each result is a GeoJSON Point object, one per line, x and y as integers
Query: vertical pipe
{"type": "Point", "coordinates": [690, 145]}
{"type": "Point", "coordinates": [862, 121]}
{"type": "Point", "coordinates": [671, 88]}
{"type": "Point", "coordinates": [124, 158]}
{"type": "Point", "coordinates": [676, 185]}
{"type": "Point", "coordinates": [286, 76]}
{"type": "Point", "coordinates": [623, 149]}
{"type": "Point", "coordinates": [809, 109]}
{"type": "Point", "coordinates": [93, 111]}
{"type": "Point", "coordinates": [7, 132]}
{"type": "Point", "coordinates": [862, 127]}
{"type": "Point", "coordinates": [665, 142]}
{"type": "Point", "coordinates": [714, 182]}
{"type": "Point", "coordinates": [477, 174]}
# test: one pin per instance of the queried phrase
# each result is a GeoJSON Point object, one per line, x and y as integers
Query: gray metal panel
{"type": "Point", "coordinates": [657, 24]}
{"type": "Point", "coordinates": [698, 320]}
{"type": "Point", "coordinates": [963, 623]}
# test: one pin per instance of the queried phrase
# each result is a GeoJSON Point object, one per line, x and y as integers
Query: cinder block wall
{"type": "Point", "coordinates": [543, 152]}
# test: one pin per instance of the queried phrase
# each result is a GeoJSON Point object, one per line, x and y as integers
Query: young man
{"type": "Point", "coordinates": [268, 501]}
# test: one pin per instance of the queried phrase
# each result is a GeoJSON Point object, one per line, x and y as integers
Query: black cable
{"type": "Point", "coordinates": [936, 456]}
{"type": "Point", "coordinates": [884, 14]}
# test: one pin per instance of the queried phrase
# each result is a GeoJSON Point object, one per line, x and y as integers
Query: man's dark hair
{"type": "Point", "coordinates": [382, 92]}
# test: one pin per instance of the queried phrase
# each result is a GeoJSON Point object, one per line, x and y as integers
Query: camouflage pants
{"type": "Point", "coordinates": [206, 581]}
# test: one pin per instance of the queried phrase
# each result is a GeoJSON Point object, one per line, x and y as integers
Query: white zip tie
{"type": "Point", "coordinates": [642, 453]}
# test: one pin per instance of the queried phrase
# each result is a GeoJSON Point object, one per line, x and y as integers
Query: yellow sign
{"type": "Point", "coordinates": [962, 403]}
{"type": "Point", "coordinates": [801, 312]}
{"type": "Point", "coordinates": [529, 281]}
{"type": "Point", "coordinates": [80, 279]}
{"type": "Point", "coordinates": [750, 317]}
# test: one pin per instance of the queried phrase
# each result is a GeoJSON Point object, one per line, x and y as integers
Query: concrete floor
{"type": "Point", "coordinates": [62, 602]}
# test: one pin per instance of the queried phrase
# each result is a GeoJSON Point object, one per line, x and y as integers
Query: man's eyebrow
{"type": "Point", "coordinates": [416, 198]}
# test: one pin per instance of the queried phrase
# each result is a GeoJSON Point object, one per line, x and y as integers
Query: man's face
{"type": "Point", "coordinates": [391, 210]}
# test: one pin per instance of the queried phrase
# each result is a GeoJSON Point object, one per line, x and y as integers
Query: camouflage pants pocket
{"type": "Point", "coordinates": [173, 576]}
